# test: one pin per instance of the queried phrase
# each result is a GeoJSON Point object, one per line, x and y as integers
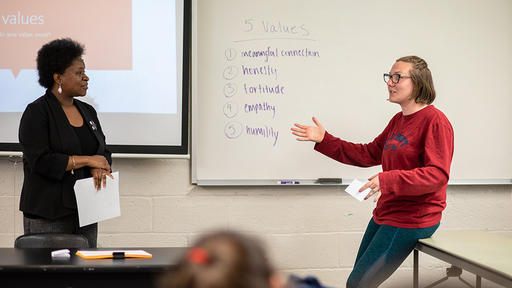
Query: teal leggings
{"type": "Point", "coordinates": [382, 250]}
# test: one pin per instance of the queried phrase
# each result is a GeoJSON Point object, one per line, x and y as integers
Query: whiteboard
{"type": "Point", "coordinates": [258, 67]}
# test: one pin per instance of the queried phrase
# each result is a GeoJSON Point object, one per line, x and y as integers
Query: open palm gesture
{"type": "Point", "coordinates": [309, 133]}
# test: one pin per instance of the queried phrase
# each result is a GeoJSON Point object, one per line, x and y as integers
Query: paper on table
{"type": "Point", "coordinates": [353, 189]}
{"type": "Point", "coordinates": [97, 205]}
{"type": "Point", "coordinates": [102, 254]}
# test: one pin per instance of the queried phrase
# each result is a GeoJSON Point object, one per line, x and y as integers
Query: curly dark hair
{"type": "Point", "coordinates": [55, 57]}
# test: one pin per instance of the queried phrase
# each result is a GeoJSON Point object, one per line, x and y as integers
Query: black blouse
{"type": "Point", "coordinates": [88, 141]}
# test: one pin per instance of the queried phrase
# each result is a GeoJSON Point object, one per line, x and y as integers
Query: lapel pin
{"type": "Point", "coordinates": [93, 125]}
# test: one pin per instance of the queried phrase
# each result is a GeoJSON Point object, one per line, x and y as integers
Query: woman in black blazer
{"type": "Point", "coordinates": [62, 142]}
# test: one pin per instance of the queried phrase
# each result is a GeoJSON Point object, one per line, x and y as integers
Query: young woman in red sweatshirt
{"type": "Point", "coordinates": [415, 151]}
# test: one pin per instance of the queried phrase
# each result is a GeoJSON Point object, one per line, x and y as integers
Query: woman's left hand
{"type": "Point", "coordinates": [100, 177]}
{"type": "Point", "coordinates": [374, 185]}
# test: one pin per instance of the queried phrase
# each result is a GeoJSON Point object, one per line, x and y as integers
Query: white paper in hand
{"type": "Point", "coordinates": [97, 205]}
{"type": "Point", "coordinates": [353, 189]}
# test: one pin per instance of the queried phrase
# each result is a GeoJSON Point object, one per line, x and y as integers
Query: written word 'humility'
{"type": "Point", "coordinates": [265, 132]}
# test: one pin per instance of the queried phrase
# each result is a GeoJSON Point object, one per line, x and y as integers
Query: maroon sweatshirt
{"type": "Point", "coordinates": [415, 152]}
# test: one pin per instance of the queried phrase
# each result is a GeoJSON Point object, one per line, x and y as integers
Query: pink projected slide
{"type": "Point", "coordinates": [131, 56]}
{"type": "Point", "coordinates": [103, 26]}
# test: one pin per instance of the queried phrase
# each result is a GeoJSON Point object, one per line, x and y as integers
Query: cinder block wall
{"type": "Point", "coordinates": [307, 230]}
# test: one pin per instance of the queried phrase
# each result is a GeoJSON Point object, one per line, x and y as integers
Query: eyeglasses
{"type": "Point", "coordinates": [395, 78]}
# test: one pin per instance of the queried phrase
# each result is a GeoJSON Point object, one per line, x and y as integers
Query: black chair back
{"type": "Point", "coordinates": [51, 240]}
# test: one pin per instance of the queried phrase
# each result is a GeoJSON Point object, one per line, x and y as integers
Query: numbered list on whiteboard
{"type": "Point", "coordinates": [262, 73]}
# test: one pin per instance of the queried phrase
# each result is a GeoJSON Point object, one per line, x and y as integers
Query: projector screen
{"type": "Point", "coordinates": [136, 56]}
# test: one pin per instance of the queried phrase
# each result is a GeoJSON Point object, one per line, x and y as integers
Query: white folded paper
{"type": "Point", "coordinates": [97, 205]}
{"type": "Point", "coordinates": [353, 189]}
{"type": "Point", "coordinates": [61, 254]}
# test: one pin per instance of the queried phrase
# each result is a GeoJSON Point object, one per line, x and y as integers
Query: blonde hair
{"type": "Point", "coordinates": [423, 91]}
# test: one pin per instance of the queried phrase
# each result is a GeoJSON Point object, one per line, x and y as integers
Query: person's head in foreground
{"type": "Point", "coordinates": [222, 259]}
{"type": "Point", "coordinates": [228, 259]}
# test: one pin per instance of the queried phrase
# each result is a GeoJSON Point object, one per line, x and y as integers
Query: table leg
{"type": "Point", "coordinates": [415, 269]}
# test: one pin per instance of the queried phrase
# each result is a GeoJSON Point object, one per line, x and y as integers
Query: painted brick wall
{"type": "Point", "coordinates": [307, 230]}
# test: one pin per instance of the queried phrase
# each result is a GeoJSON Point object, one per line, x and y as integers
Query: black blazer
{"type": "Point", "coordinates": [48, 139]}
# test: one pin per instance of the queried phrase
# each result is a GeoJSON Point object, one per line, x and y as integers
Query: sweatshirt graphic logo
{"type": "Point", "coordinates": [395, 141]}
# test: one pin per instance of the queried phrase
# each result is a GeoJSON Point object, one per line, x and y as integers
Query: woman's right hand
{"type": "Point", "coordinates": [98, 161]}
{"type": "Point", "coordinates": [309, 133]}
{"type": "Point", "coordinates": [100, 177]}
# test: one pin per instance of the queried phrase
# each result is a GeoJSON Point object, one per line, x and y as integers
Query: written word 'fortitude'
{"type": "Point", "coordinates": [263, 89]}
